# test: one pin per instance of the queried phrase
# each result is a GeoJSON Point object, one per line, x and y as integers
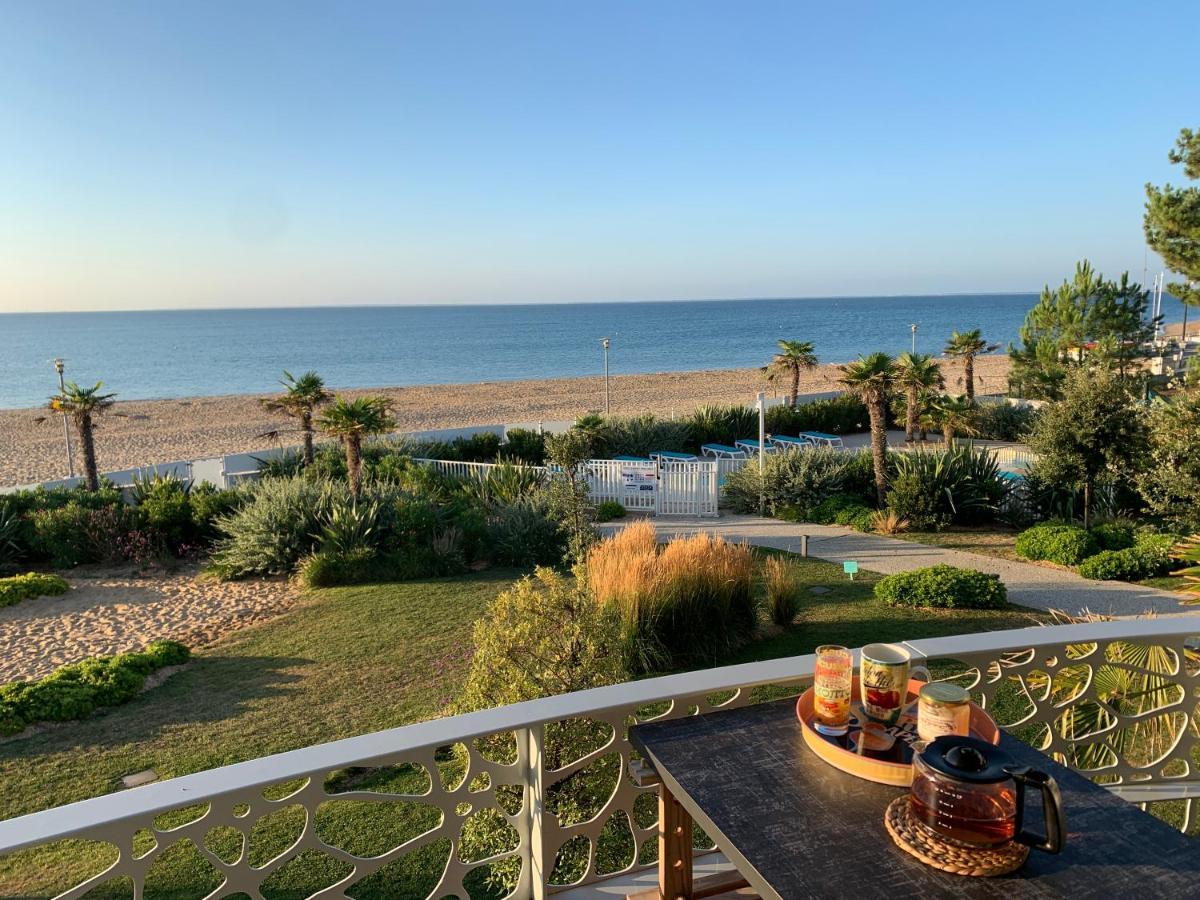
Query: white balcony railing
{"type": "Point", "coordinates": [1117, 700]}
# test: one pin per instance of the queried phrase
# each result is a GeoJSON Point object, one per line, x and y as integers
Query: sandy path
{"type": "Point", "coordinates": [153, 431]}
{"type": "Point", "coordinates": [107, 613]}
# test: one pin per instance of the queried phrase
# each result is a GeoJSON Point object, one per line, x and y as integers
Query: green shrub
{"type": "Point", "coordinates": [11, 548]}
{"type": "Point", "coordinates": [860, 518]}
{"type": "Point", "coordinates": [208, 505]}
{"type": "Point", "coordinates": [1156, 552]}
{"type": "Point", "coordinates": [1113, 535]}
{"type": "Point", "coordinates": [798, 480]}
{"type": "Point", "coordinates": [838, 415]}
{"type": "Point", "coordinates": [332, 568]}
{"type": "Point", "coordinates": [524, 446]}
{"type": "Point", "coordinates": [163, 505]}
{"type": "Point", "coordinates": [1114, 565]}
{"type": "Point", "coordinates": [74, 691]}
{"type": "Point", "coordinates": [608, 510]}
{"type": "Point", "coordinates": [276, 527]}
{"type": "Point", "coordinates": [826, 512]}
{"type": "Point", "coordinates": [523, 534]}
{"type": "Point", "coordinates": [1067, 545]}
{"type": "Point", "coordinates": [1005, 421]}
{"type": "Point", "coordinates": [960, 485]}
{"type": "Point", "coordinates": [60, 536]}
{"type": "Point", "coordinates": [943, 587]}
{"type": "Point", "coordinates": [30, 585]}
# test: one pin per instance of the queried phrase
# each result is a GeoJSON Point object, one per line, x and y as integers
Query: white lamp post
{"type": "Point", "coordinates": [604, 343]}
{"type": "Point", "coordinates": [62, 387]}
{"type": "Point", "coordinates": [913, 326]}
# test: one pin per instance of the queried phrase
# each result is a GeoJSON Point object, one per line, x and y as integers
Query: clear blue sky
{"type": "Point", "coordinates": [259, 153]}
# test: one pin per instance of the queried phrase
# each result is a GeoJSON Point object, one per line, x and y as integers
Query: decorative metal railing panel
{"type": "Point", "coordinates": [537, 796]}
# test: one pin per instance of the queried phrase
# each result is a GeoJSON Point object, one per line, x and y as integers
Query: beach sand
{"type": "Point", "coordinates": [144, 432]}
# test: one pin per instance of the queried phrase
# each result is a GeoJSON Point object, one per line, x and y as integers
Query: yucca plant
{"type": "Point", "coordinates": [964, 484]}
{"type": "Point", "coordinates": [349, 526]}
{"type": "Point", "coordinates": [504, 484]}
{"type": "Point", "coordinates": [144, 488]}
{"type": "Point", "coordinates": [719, 424]}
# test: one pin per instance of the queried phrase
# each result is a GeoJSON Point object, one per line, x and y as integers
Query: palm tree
{"type": "Point", "coordinates": [966, 345]}
{"type": "Point", "coordinates": [792, 358]}
{"type": "Point", "coordinates": [351, 421]}
{"type": "Point", "coordinates": [917, 374]}
{"type": "Point", "coordinates": [82, 405]}
{"type": "Point", "coordinates": [872, 378]}
{"type": "Point", "coordinates": [299, 400]}
{"type": "Point", "coordinates": [956, 415]}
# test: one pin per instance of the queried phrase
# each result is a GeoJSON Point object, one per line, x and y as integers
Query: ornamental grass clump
{"type": "Point", "coordinates": [683, 603]}
{"type": "Point", "coordinates": [783, 586]}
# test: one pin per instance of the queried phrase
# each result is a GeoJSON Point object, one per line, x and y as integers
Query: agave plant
{"type": "Point", "coordinates": [349, 526]}
{"type": "Point", "coordinates": [965, 481]}
{"type": "Point", "coordinates": [159, 482]}
{"type": "Point", "coordinates": [504, 484]}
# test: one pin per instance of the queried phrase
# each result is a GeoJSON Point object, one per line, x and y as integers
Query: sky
{"type": "Point", "coordinates": [214, 154]}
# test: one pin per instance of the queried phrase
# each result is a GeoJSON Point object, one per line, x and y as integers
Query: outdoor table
{"type": "Point", "coordinates": [794, 826]}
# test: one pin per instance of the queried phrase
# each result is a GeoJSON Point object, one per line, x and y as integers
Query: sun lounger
{"type": "Point", "coordinates": [722, 451]}
{"type": "Point", "coordinates": [633, 459]}
{"type": "Point", "coordinates": [786, 442]}
{"type": "Point", "coordinates": [828, 440]}
{"type": "Point", "coordinates": [750, 446]}
{"type": "Point", "coordinates": [672, 456]}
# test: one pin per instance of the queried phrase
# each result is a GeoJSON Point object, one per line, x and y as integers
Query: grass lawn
{"type": "Point", "coordinates": [352, 660]}
{"type": "Point", "coordinates": [988, 540]}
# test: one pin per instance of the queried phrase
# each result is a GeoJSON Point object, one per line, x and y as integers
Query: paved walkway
{"type": "Point", "coordinates": [1028, 584]}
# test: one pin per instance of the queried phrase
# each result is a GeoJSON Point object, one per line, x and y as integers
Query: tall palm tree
{"type": "Point", "coordinates": [956, 415]}
{"type": "Point", "coordinates": [917, 374]}
{"type": "Point", "coordinates": [793, 358]}
{"type": "Point", "coordinates": [83, 404]}
{"type": "Point", "coordinates": [300, 399]}
{"type": "Point", "coordinates": [352, 421]}
{"type": "Point", "coordinates": [966, 345]}
{"type": "Point", "coordinates": [872, 379]}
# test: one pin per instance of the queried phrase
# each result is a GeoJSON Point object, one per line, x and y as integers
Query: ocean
{"type": "Point", "coordinates": [177, 353]}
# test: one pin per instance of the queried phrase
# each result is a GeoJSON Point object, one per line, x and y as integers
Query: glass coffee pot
{"type": "Point", "coordinates": [972, 792]}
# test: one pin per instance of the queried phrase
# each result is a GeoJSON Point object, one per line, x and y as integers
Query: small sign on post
{"type": "Point", "coordinates": [850, 566]}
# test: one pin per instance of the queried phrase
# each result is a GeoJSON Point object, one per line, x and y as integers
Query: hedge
{"type": "Point", "coordinates": [30, 585]}
{"type": "Point", "coordinates": [943, 587]}
{"type": "Point", "coordinates": [1067, 545]}
{"type": "Point", "coordinates": [76, 690]}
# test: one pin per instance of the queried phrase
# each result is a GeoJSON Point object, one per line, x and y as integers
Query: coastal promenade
{"type": "Point", "coordinates": [1029, 584]}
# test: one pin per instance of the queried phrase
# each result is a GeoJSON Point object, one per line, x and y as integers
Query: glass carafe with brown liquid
{"type": "Point", "coordinates": [969, 791]}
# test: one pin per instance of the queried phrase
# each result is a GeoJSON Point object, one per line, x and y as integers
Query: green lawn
{"type": "Point", "coordinates": [352, 660]}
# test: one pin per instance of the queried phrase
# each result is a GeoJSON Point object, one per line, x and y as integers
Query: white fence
{"type": "Point", "coordinates": [1019, 665]}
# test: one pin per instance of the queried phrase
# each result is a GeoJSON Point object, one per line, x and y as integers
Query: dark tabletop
{"type": "Point", "coordinates": [797, 827]}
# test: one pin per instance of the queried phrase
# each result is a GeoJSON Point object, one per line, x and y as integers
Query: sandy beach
{"type": "Point", "coordinates": [144, 432]}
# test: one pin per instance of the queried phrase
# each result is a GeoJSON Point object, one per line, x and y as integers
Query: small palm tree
{"type": "Point", "coordinates": [917, 374]}
{"type": "Point", "coordinates": [872, 379]}
{"type": "Point", "coordinates": [83, 405]}
{"type": "Point", "coordinates": [966, 345]}
{"type": "Point", "coordinates": [300, 399]}
{"type": "Point", "coordinates": [793, 358]}
{"type": "Point", "coordinates": [956, 415]}
{"type": "Point", "coordinates": [351, 422]}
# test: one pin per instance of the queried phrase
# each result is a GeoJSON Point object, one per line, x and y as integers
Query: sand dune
{"type": "Point", "coordinates": [144, 432]}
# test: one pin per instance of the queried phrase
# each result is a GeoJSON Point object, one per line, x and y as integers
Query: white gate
{"type": "Point", "coordinates": [687, 488]}
{"type": "Point", "coordinates": [632, 483]}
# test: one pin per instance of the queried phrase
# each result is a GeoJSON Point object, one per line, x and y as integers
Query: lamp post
{"type": "Point", "coordinates": [913, 326]}
{"type": "Point", "coordinates": [762, 452]}
{"type": "Point", "coordinates": [62, 389]}
{"type": "Point", "coordinates": [604, 342]}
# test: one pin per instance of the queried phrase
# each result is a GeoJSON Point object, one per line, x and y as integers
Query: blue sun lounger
{"type": "Point", "coordinates": [632, 459]}
{"type": "Point", "coordinates": [820, 437]}
{"type": "Point", "coordinates": [722, 451]}
{"type": "Point", "coordinates": [786, 442]}
{"type": "Point", "coordinates": [750, 445]}
{"type": "Point", "coordinates": [662, 456]}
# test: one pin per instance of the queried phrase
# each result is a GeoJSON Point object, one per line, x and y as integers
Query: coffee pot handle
{"type": "Point", "coordinates": [1056, 834]}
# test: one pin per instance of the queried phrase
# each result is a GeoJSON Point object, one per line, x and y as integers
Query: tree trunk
{"type": "Point", "coordinates": [878, 415]}
{"type": "Point", "coordinates": [948, 435]}
{"type": "Point", "coordinates": [354, 465]}
{"type": "Point", "coordinates": [969, 374]}
{"type": "Point", "coordinates": [795, 385]}
{"type": "Point", "coordinates": [910, 418]}
{"type": "Point", "coordinates": [306, 428]}
{"type": "Point", "coordinates": [1087, 502]}
{"type": "Point", "coordinates": [87, 449]}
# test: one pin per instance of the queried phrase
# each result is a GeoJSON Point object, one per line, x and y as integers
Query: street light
{"type": "Point", "coordinates": [62, 389]}
{"type": "Point", "coordinates": [604, 342]}
{"type": "Point", "coordinates": [913, 326]}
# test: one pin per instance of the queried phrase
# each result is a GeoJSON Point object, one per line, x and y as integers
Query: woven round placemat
{"type": "Point", "coordinates": [981, 862]}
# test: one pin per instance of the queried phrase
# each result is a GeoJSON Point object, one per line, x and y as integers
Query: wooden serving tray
{"type": "Point", "coordinates": [885, 753]}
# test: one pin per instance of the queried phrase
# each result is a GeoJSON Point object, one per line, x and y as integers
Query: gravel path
{"type": "Point", "coordinates": [1028, 584]}
{"type": "Point", "coordinates": [107, 612]}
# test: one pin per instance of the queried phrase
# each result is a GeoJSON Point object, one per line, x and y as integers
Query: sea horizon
{"type": "Point", "coordinates": [177, 353]}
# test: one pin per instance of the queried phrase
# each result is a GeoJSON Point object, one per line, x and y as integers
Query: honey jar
{"type": "Point", "coordinates": [943, 708]}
